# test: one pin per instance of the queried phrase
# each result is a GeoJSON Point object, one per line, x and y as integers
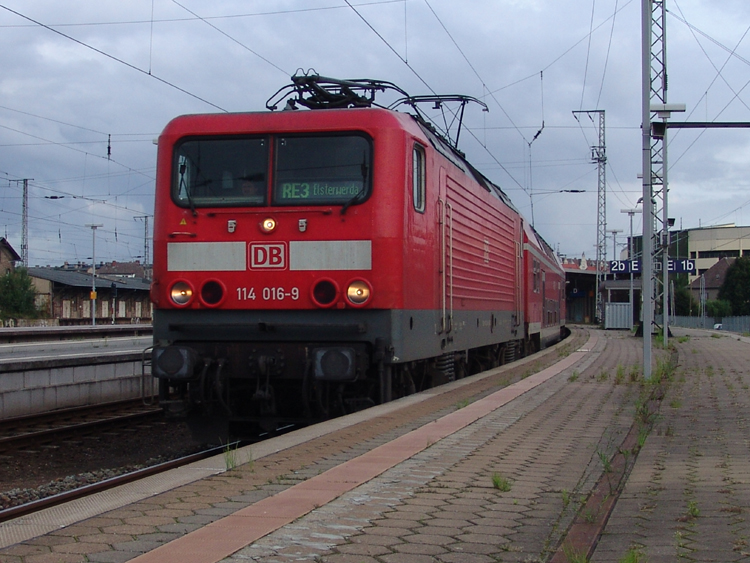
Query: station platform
{"type": "Point", "coordinates": [561, 456]}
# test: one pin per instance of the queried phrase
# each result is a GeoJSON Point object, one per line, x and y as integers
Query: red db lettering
{"type": "Point", "coordinates": [267, 256]}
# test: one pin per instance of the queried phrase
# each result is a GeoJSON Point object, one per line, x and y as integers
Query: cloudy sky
{"type": "Point", "coordinates": [85, 88]}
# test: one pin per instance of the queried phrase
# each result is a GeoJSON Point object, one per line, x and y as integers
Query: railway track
{"type": "Point", "coordinates": [86, 490]}
{"type": "Point", "coordinates": [36, 430]}
{"type": "Point", "coordinates": [67, 430]}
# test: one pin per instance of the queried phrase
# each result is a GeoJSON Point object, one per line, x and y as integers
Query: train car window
{"type": "Point", "coordinates": [418, 178]}
{"type": "Point", "coordinates": [322, 170]}
{"type": "Point", "coordinates": [221, 172]}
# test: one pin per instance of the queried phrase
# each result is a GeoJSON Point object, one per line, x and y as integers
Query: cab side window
{"type": "Point", "coordinates": [418, 178]}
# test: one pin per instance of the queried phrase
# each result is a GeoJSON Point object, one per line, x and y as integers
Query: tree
{"type": "Point", "coordinates": [718, 309]}
{"type": "Point", "coordinates": [685, 303]}
{"type": "Point", "coordinates": [736, 286]}
{"type": "Point", "coordinates": [17, 295]}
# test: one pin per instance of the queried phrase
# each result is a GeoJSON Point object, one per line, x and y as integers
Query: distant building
{"type": "Point", "coordinates": [580, 287]}
{"type": "Point", "coordinates": [713, 279]}
{"type": "Point", "coordinates": [8, 257]}
{"type": "Point", "coordinates": [123, 270]}
{"type": "Point", "coordinates": [706, 245]}
{"type": "Point", "coordinates": [65, 294]}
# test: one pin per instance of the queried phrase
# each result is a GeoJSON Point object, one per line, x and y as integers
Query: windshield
{"type": "Point", "coordinates": [221, 172]}
{"type": "Point", "coordinates": [321, 170]}
{"type": "Point", "coordinates": [308, 170]}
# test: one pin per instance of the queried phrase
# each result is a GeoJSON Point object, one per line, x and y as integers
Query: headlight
{"type": "Point", "coordinates": [181, 293]}
{"type": "Point", "coordinates": [358, 292]}
{"type": "Point", "coordinates": [268, 225]}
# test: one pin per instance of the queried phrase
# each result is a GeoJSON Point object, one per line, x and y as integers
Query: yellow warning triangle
{"type": "Point", "coordinates": [183, 222]}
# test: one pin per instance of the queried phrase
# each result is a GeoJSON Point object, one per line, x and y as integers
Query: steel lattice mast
{"type": "Point", "coordinates": [655, 218]}
{"type": "Point", "coordinates": [599, 157]}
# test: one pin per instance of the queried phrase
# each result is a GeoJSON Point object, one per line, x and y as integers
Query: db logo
{"type": "Point", "coordinates": [268, 256]}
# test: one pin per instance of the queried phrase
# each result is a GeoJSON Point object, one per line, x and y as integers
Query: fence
{"type": "Point", "coordinates": [731, 324]}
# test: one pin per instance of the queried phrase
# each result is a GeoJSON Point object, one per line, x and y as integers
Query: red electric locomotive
{"type": "Point", "coordinates": [314, 262]}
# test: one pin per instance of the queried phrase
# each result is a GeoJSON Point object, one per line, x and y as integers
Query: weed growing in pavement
{"type": "Point", "coordinates": [231, 455]}
{"type": "Point", "coordinates": [574, 555]}
{"type": "Point", "coordinates": [663, 372]}
{"type": "Point", "coordinates": [658, 340]}
{"type": "Point", "coordinates": [692, 509]}
{"type": "Point", "coordinates": [635, 373]}
{"type": "Point", "coordinates": [563, 351]}
{"type": "Point", "coordinates": [634, 555]}
{"type": "Point", "coordinates": [709, 371]}
{"type": "Point", "coordinates": [501, 483]}
{"type": "Point", "coordinates": [620, 374]}
{"type": "Point", "coordinates": [589, 516]}
{"type": "Point", "coordinates": [675, 403]}
{"type": "Point", "coordinates": [683, 339]}
{"type": "Point", "coordinates": [574, 376]}
{"type": "Point", "coordinates": [714, 335]}
{"type": "Point", "coordinates": [603, 376]}
{"type": "Point", "coordinates": [565, 498]}
{"type": "Point", "coordinates": [462, 403]}
{"type": "Point", "coordinates": [604, 458]}
{"type": "Point", "coordinates": [642, 435]}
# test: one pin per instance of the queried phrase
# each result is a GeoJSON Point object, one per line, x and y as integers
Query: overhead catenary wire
{"type": "Point", "coordinates": [112, 57]}
{"type": "Point", "coordinates": [719, 74]}
{"type": "Point", "coordinates": [564, 53]}
{"type": "Point", "coordinates": [606, 58]}
{"type": "Point", "coordinates": [204, 20]}
{"type": "Point", "coordinates": [224, 17]}
{"type": "Point", "coordinates": [588, 53]}
{"type": "Point", "coordinates": [411, 68]}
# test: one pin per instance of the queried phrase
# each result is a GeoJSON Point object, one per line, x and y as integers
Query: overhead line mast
{"type": "Point", "coordinates": [25, 222]}
{"type": "Point", "coordinates": [599, 157]}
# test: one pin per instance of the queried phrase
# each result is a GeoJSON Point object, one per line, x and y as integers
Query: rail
{"type": "Point", "coordinates": [31, 334]}
{"type": "Point", "coordinates": [86, 490]}
{"type": "Point", "coordinates": [57, 424]}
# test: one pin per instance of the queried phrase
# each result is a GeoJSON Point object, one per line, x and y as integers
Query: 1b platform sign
{"type": "Point", "coordinates": [681, 266]}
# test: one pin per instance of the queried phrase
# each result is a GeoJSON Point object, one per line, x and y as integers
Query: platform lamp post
{"type": "Point", "coordinates": [631, 212]}
{"type": "Point", "coordinates": [93, 272]}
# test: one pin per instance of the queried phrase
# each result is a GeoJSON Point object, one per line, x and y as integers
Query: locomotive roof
{"type": "Point", "coordinates": [329, 119]}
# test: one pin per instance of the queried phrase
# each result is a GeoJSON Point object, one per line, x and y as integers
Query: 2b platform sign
{"type": "Point", "coordinates": [681, 266]}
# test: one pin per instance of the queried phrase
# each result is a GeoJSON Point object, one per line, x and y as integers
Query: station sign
{"type": "Point", "coordinates": [681, 266]}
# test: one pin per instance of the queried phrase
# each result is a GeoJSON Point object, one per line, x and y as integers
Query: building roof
{"type": "Point", "coordinates": [714, 277]}
{"type": "Point", "coordinates": [122, 269]}
{"type": "Point", "coordinates": [579, 265]}
{"type": "Point", "coordinates": [5, 244]}
{"type": "Point", "coordinates": [79, 279]}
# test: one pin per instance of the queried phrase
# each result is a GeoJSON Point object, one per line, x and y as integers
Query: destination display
{"type": "Point", "coordinates": [681, 266]}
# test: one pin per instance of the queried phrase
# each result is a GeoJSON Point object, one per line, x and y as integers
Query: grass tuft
{"type": "Point", "coordinates": [500, 483]}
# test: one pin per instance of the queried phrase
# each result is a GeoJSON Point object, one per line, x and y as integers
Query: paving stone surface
{"type": "Point", "coordinates": [688, 496]}
{"type": "Point", "coordinates": [505, 488]}
{"type": "Point", "coordinates": [502, 489]}
{"type": "Point", "coordinates": [210, 499]}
